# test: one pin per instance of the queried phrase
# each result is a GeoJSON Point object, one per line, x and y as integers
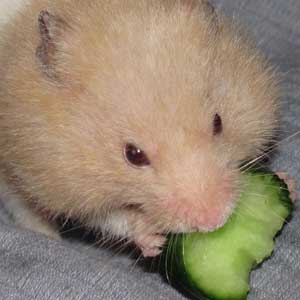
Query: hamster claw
{"type": "Point", "coordinates": [150, 245]}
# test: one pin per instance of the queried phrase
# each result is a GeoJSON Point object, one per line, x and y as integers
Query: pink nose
{"type": "Point", "coordinates": [210, 221]}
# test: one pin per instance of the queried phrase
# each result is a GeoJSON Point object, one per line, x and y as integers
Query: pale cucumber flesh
{"type": "Point", "coordinates": [218, 264]}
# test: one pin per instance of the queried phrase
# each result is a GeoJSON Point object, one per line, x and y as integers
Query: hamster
{"type": "Point", "coordinates": [132, 117]}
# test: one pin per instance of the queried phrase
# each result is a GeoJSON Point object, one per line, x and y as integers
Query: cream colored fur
{"type": "Point", "coordinates": [149, 72]}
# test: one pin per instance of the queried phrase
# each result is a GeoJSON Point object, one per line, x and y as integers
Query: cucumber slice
{"type": "Point", "coordinates": [218, 264]}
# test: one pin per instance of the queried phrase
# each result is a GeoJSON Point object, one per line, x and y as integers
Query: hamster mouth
{"type": "Point", "coordinates": [190, 216]}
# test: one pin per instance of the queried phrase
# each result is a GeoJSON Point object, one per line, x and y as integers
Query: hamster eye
{"type": "Point", "coordinates": [217, 125]}
{"type": "Point", "coordinates": [136, 156]}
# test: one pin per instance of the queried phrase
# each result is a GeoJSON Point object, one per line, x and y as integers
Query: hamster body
{"type": "Point", "coordinates": [130, 116]}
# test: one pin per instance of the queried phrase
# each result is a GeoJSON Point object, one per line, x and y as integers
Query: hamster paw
{"type": "Point", "coordinates": [290, 183]}
{"type": "Point", "coordinates": [151, 244]}
{"type": "Point", "coordinates": [144, 234]}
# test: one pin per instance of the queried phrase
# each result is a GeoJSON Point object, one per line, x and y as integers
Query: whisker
{"type": "Point", "coordinates": [270, 150]}
{"type": "Point", "coordinates": [72, 229]}
{"type": "Point", "coordinates": [253, 212]}
{"type": "Point", "coordinates": [136, 262]}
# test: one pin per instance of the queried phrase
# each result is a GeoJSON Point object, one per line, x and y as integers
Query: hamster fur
{"type": "Point", "coordinates": [80, 81]}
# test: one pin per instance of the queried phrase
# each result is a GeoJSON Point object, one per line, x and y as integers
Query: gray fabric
{"type": "Point", "coordinates": [32, 267]}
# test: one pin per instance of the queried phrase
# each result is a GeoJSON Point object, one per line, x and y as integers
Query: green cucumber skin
{"type": "Point", "coordinates": [179, 270]}
{"type": "Point", "coordinates": [180, 277]}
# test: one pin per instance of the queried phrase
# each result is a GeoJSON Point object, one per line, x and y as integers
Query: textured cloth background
{"type": "Point", "coordinates": [32, 267]}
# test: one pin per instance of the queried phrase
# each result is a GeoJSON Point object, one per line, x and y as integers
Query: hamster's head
{"type": "Point", "coordinates": [153, 113]}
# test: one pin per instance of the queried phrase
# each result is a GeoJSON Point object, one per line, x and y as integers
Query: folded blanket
{"type": "Point", "coordinates": [33, 267]}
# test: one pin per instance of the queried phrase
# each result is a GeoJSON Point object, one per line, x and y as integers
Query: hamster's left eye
{"type": "Point", "coordinates": [136, 156]}
{"type": "Point", "coordinates": [217, 125]}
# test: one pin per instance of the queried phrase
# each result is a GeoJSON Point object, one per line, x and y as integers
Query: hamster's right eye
{"type": "Point", "coordinates": [217, 125]}
{"type": "Point", "coordinates": [136, 156]}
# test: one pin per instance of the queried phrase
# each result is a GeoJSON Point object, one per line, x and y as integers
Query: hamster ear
{"type": "Point", "coordinates": [199, 3]}
{"type": "Point", "coordinates": [51, 29]}
{"type": "Point", "coordinates": [209, 8]}
{"type": "Point", "coordinates": [204, 5]}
